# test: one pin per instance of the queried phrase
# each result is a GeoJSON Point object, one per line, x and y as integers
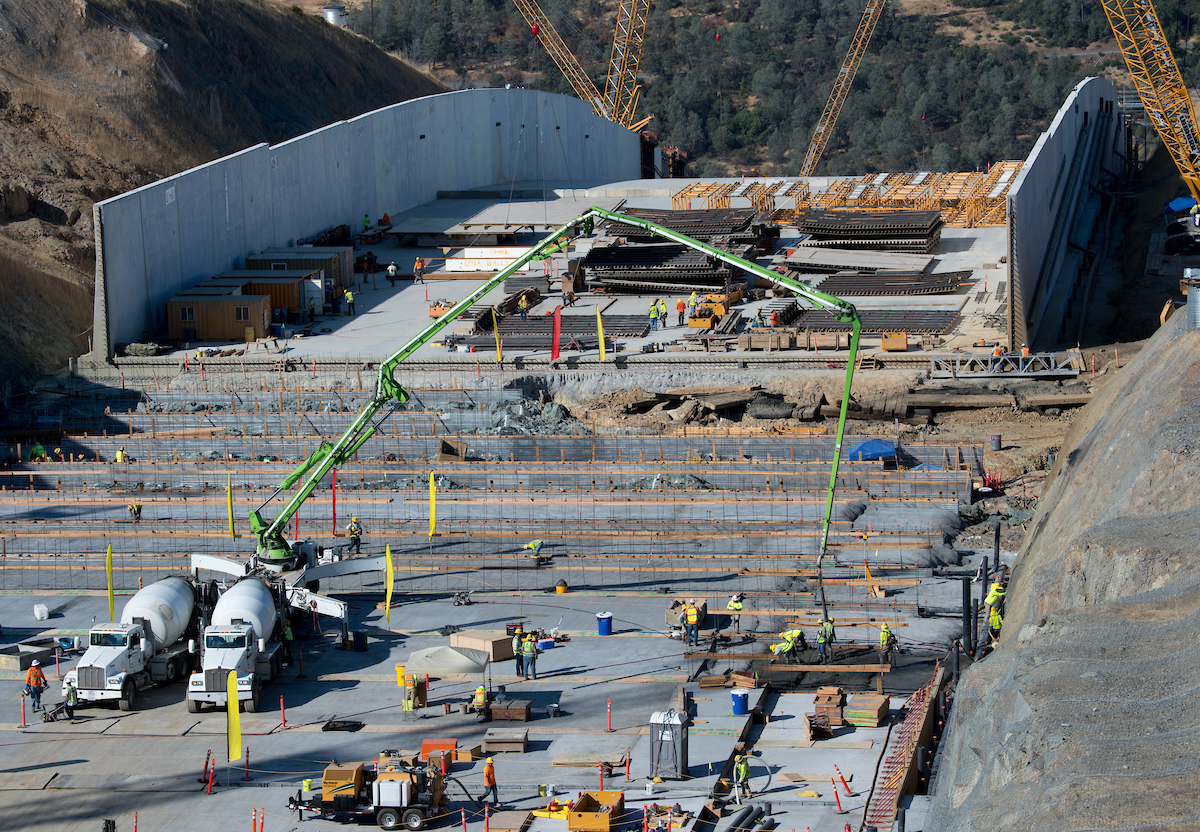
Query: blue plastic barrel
{"type": "Point", "coordinates": [604, 623]}
{"type": "Point", "coordinates": [741, 702]}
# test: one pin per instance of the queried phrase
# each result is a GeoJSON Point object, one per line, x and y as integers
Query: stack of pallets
{"type": "Point", "coordinates": [829, 702]}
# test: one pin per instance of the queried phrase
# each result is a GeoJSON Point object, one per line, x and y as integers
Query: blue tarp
{"type": "Point", "coordinates": [1179, 205]}
{"type": "Point", "coordinates": [927, 466]}
{"type": "Point", "coordinates": [873, 449]}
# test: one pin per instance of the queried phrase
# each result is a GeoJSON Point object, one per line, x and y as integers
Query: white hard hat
{"type": "Point", "coordinates": [35, 663]}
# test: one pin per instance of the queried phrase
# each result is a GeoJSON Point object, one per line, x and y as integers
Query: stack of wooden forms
{"type": "Point", "coordinates": [866, 711]}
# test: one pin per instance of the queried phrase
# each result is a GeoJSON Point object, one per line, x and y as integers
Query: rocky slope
{"type": "Point", "coordinates": [100, 96]}
{"type": "Point", "coordinates": [1088, 714]}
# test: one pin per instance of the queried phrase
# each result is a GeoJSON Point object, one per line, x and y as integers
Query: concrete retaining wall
{"type": "Point", "coordinates": [1085, 138]}
{"type": "Point", "coordinates": [156, 240]}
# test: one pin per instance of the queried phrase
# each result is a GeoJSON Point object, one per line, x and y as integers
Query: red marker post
{"type": "Point", "coordinates": [837, 796]}
{"type": "Point", "coordinates": [609, 709]}
{"type": "Point", "coordinates": [282, 713]}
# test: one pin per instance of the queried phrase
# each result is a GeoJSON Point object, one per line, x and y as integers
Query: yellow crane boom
{"type": "Point", "coordinates": [841, 87]}
{"type": "Point", "coordinates": [621, 89]}
{"type": "Point", "coordinates": [548, 35]}
{"type": "Point", "coordinates": [1156, 77]}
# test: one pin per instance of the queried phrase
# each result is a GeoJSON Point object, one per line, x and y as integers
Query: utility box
{"type": "Point", "coordinates": [668, 745]}
{"type": "Point", "coordinates": [498, 648]}
{"type": "Point", "coordinates": [895, 342]}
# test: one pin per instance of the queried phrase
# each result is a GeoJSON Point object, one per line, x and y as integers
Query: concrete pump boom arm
{"type": "Point", "coordinates": [387, 389]}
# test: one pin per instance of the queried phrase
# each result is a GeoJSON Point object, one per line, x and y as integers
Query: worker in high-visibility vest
{"type": "Point", "coordinates": [825, 640]}
{"type": "Point", "coordinates": [529, 651]}
{"type": "Point", "coordinates": [479, 700]}
{"type": "Point", "coordinates": [121, 455]}
{"type": "Point", "coordinates": [489, 782]}
{"type": "Point", "coordinates": [996, 351]}
{"type": "Point", "coordinates": [518, 637]}
{"type": "Point", "coordinates": [790, 640]}
{"type": "Point", "coordinates": [887, 643]}
{"type": "Point", "coordinates": [741, 778]}
{"type": "Point", "coordinates": [691, 620]}
{"type": "Point", "coordinates": [735, 607]}
{"type": "Point", "coordinates": [356, 532]}
{"type": "Point", "coordinates": [523, 307]}
{"type": "Point", "coordinates": [995, 602]}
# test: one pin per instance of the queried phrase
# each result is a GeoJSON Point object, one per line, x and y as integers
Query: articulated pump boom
{"type": "Point", "coordinates": [274, 552]}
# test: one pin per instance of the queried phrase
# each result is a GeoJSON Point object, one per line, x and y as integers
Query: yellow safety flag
{"type": "Point", "coordinates": [229, 502]}
{"type": "Point", "coordinates": [387, 592]}
{"type": "Point", "coordinates": [600, 332]}
{"type": "Point", "coordinates": [496, 332]}
{"type": "Point", "coordinates": [432, 505]}
{"type": "Point", "coordinates": [233, 708]}
{"type": "Point", "coordinates": [108, 572]}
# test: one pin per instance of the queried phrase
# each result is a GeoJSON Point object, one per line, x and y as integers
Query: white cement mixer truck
{"type": "Point", "coordinates": [246, 635]}
{"type": "Point", "coordinates": [154, 642]}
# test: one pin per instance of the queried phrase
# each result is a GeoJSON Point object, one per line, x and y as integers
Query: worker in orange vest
{"type": "Point", "coordinates": [489, 782]}
{"type": "Point", "coordinates": [35, 683]}
{"type": "Point", "coordinates": [996, 351]}
{"type": "Point", "coordinates": [1024, 350]}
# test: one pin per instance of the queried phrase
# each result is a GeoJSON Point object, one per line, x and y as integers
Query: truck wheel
{"type": "Point", "coordinates": [172, 670]}
{"type": "Point", "coordinates": [414, 819]}
{"type": "Point", "coordinates": [252, 702]}
{"type": "Point", "coordinates": [388, 818]}
{"type": "Point", "coordinates": [128, 696]}
{"type": "Point", "coordinates": [193, 706]}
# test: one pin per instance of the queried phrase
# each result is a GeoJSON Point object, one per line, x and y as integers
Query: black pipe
{"type": "Point", "coordinates": [957, 669]}
{"type": "Point", "coordinates": [996, 552]}
{"type": "Point", "coordinates": [967, 640]}
{"type": "Point", "coordinates": [978, 651]}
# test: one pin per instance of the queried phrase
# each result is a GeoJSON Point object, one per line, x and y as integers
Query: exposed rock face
{"type": "Point", "coordinates": [1088, 714]}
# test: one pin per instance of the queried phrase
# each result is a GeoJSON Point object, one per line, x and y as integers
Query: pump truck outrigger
{"type": "Point", "coordinates": [275, 553]}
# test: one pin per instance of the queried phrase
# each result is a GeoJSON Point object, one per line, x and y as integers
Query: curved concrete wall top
{"type": "Point", "coordinates": [155, 241]}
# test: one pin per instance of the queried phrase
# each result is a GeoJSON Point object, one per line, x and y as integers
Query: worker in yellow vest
{"type": "Point", "coordinates": [529, 651]}
{"type": "Point", "coordinates": [349, 302]}
{"type": "Point", "coordinates": [519, 637]}
{"type": "Point", "coordinates": [735, 607]}
{"type": "Point", "coordinates": [887, 644]}
{"type": "Point", "coordinates": [691, 619]}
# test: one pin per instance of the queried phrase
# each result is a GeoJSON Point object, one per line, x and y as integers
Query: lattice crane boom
{"type": "Point", "coordinates": [1157, 79]}
{"type": "Point", "coordinates": [621, 89]}
{"type": "Point", "coordinates": [549, 37]}
{"type": "Point", "coordinates": [841, 87]}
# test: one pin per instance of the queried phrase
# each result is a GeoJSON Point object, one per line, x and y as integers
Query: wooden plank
{"type": "Point", "coordinates": [1057, 401]}
{"type": "Point", "coordinates": [587, 760]}
{"type": "Point", "coordinates": [712, 391]}
{"type": "Point", "coordinates": [809, 777]}
{"type": "Point", "coordinates": [510, 821]}
{"type": "Point", "coordinates": [964, 400]}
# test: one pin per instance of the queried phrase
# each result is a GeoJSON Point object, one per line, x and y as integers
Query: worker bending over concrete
{"type": "Point", "coordinates": [741, 779]}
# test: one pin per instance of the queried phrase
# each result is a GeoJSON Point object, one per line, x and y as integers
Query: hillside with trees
{"type": "Point", "coordinates": [928, 95]}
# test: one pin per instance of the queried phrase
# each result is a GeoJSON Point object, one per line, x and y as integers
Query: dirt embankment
{"type": "Point", "coordinates": [1088, 714]}
{"type": "Point", "coordinates": [97, 97]}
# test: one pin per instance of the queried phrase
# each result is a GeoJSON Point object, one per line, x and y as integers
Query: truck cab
{"type": "Point", "coordinates": [114, 665]}
{"type": "Point", "coordinates": [233, 647]}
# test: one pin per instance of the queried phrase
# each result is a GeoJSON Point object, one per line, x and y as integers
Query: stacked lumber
{"type": "Point", "coordinates": [829, 701]}
{"type": "Point", "coordinates": [866, 711]}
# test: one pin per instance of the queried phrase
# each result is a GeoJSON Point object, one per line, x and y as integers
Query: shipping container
{"type": "Point", "coordinates": [336, 262]}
